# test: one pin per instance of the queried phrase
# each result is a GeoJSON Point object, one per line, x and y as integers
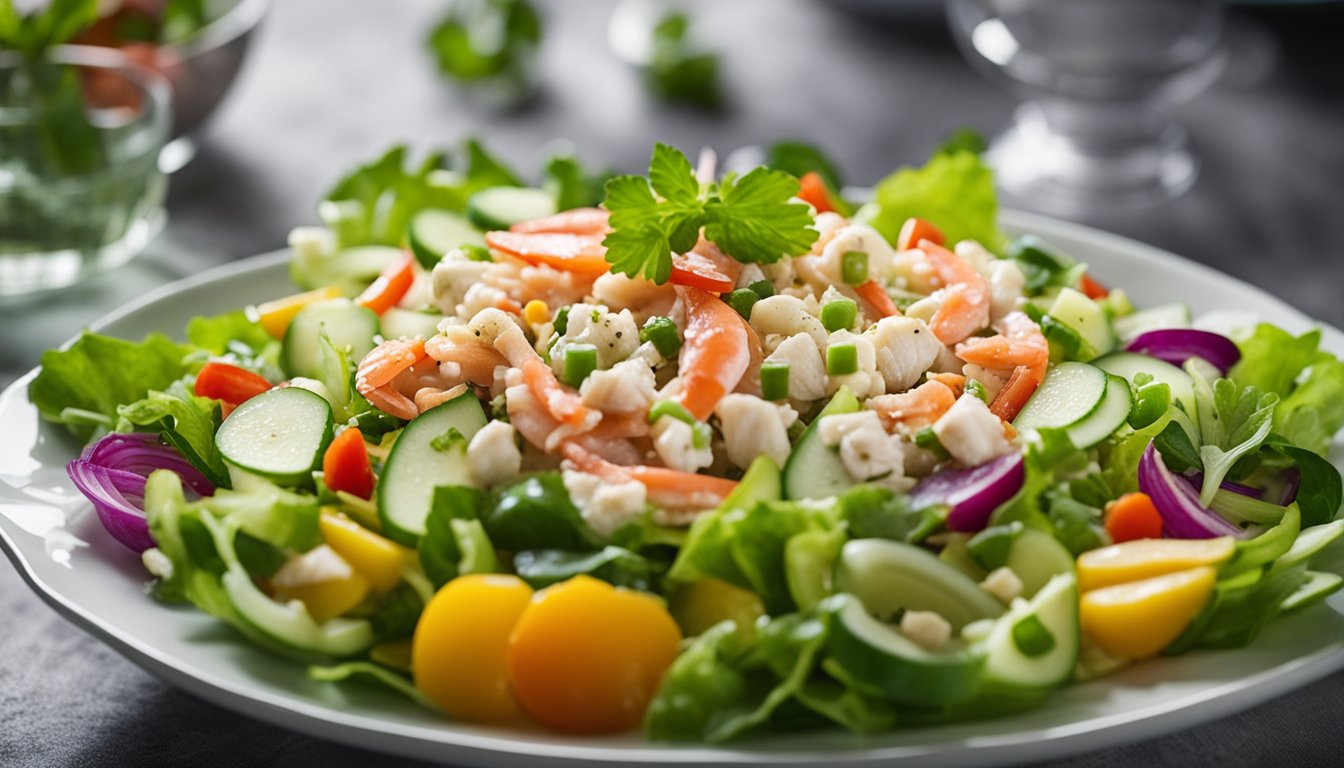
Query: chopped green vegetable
{"type": "Point", "coordinates": [763, 289]}
{"type": "Point", "coordinates": [670, 408]}
{"type": "Point", "coordinates": [839, 315]}
{"type": "Point", "coordinates": [662, 332]}
{"type": "Point", "coordinates": [842, 359]}
{"type": "Point", "coordinates": [775, 381]}
{"type": "Point", "coordinates": [742, 300]}
{"type": "Point", "coordinates": [854, 267]}
{"type": "Point", "coordinates": [580, 360]}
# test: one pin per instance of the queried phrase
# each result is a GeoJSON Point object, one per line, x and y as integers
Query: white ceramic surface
{"type": "Point", "coordinates": [55, 541]}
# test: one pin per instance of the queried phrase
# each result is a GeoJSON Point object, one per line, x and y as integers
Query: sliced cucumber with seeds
{"type": "Point", "coordinates": [501, 207]}
{"type": "Point", "coordinates": [279, 435]}
{"type": "Point", "coordinates": [346, 325]}
{"type": "Point", "coordinates": [434, 233]}
{"type": "Point", "coordinates": [890, 576]}
{"type": "Point", "coordinates": [424, 457]}
{"type": "Point", "coordinates": [1152, 319]}
{"type": "Point", "coordinates": [1129, 365]}
{"type": "Point", "coordinates": [814, 469]}
{"type": "Point", "coordinates": [351, 269]}
{"type": "Point", "coordinates": [1108, 416]}
{"type": "Point", "coordinates": [1069, 393]}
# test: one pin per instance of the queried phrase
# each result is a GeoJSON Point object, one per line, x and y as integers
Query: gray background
{"type": "Point", "coordinates": [330, 83]}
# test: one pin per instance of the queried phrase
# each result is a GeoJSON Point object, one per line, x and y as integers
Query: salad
{"type": "Point", "coordinates": [708, 455]}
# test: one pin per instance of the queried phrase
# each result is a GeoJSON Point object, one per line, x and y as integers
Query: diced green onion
{"type": "Point", "coordinates": [742, 300]}
{"type": "Point", "coordinates": [839, 315]}
{"type": "Point", "coordinates": [663, 333]}
{"type": "Point", "coordinates": [580, 360]}
{"type": "Point", "coordinates": [476, 253]}
{"type": "Point", "coordinates": [701, 434]}
{"type": "Point", "coordinates": [1032, 637]}
{"type": "Point", "coordinates": [927, 439]}
{"type": "Point", "coordinates": [670, 408]}
{"type": "Point", "coordinates": [842, 359]}
{"type": "Point", "coordinates": [763, 289]}
{"type": "Point", "coordinates": [974, 387]}
{"type": "Point", "coordinates": [854, 267]}
{"type": "Point", "coordinates": [775, 381]}
{"type": "Point", "coordinates": [561, 323]}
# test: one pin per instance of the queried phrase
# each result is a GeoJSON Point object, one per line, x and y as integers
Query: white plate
{"type": "Point", "coordinates": [48, 530]}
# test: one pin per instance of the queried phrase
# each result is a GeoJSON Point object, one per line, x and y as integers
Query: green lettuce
{"type": "Point", "coordinates": [455, 542]}
{"type": "Point", "coordinates": [541, 568]}
{"type": "Point", "coordinates": [187, 422]}
{"type": "Point", "coordinates": [83, 385]}
{"type": "Point", "coordinates": [1310, 410]}
{"type": "Point", "coordinates": [954, 191]}
{"type": "Point", "coordinates": [1233, 422]}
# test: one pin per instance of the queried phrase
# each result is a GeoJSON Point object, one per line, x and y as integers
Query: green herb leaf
{"type": "Point", "coordinates": [954, 191]}
{"type": "Point", "coordinates": [483, 39]}
{"type": "Point", "coordinates": [754, 221]}
{"type": "Point", "coordinates": [53, 23]}
{"type": "Point", "coordinates": [677, 71]}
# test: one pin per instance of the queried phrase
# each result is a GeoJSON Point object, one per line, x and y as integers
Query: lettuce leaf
{"type": "Point", "coordinates": [541, 568]}
{"type": "Point", "coordinates": [187, 422]}
{"type": "Point", "coordinates": [954, 191]}
{"type": "Point", "coordinates": [1233, 422]}
{"type": "Point", "coordinates": [83, 385]}
{"type": "Point", "coordinates": [1272, 359]}
{"type": "Point", "coordinates": [1314, 412]}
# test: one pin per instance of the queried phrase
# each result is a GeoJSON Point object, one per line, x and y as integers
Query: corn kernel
{"type": "Point", "coordinates": [536, 312]}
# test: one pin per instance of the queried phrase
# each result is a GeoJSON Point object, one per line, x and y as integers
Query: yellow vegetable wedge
{"type": "Point", "coordinates": [274, 316]}
{"type": "Point", "coordinates": [377, 559]}
{"type": "Point", "coordinates": [1146, 558]}
{"type": "Point", "coordinates": [1138, 619]}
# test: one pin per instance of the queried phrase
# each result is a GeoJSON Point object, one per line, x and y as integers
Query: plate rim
{"type": "Point", "coordinates": [409, 739]}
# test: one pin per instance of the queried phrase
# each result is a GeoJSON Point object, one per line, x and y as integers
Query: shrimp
{"type": "Point", "coordinates": [964, 308]}
{"type": "Point", "coordinates": [916, 409]}
{"type": "Point", "coordinates": [472, 362]}
{"type": "Point", "coordinates": [1019, 347]}
{"type": "Point", "coordinates": [668, 488]}
{"type": "Point", "coordinates": [715, 354]}
{"type": "Point", "coordinates": [583, 254]}
{"type": "Point", "coordinates": [399, 378]}
{"type": "Point", "coordinates": [579, 221]}
{"type": "Point", "coordinates": [538, 428]}
{"type": "Point", "coordinates": [499, 330]}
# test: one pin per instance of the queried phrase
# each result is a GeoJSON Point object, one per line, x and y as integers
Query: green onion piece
{"type": "Point", "coordinates": [700, 435]}
{"type": "Point", "coordinates": [663, 333]}
{"type": "Point", "coordinates": [670, 408]}
{"type": "Point", "coordinates": [854, 267]}
{"type": "Point", "coordinates": [763, 289]}
{"type": "Point", "coordinates": [974, 387]}
{"type": "Point", "coordinates": [476, 253]}
{"type": "Point", "coordinates": [742, 300]}
{"type": "Point", "coordinates": [839, 315]}
{"type": "Point", "coordinates": [775, 381]}
{"type": "Point", "coordinates": [842, 359]}
{"type": "Point", "coordinates": [561, 322]}
{"type": "Point", "coordinates": [580, 360]}
{"type": "Point", "coordinates": [927, 439]}
{"type": "Point", "coordinates": [1032, 637]}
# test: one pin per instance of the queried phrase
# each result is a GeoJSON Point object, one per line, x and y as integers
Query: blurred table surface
{"type": "Point", "coordinates": [331, 83]}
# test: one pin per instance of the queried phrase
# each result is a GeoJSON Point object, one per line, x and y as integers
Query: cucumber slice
{"type": "Point", "coordinates": [1128, 365]}
{"type": "Point", "coordinates": [279, 435]}
{"type": "Point", "coordinates": [1037, 558]}
{"type": "Point", "coordinates": [1308, 543]}
{"type": "Point", "coordinates": [1152, 319]}
{"type": "Point", "coordinates": [434, 233]}
{"type": "Point", "coordinates": [415, 467]}
{"type": "Point", "coordinates": [400, 323]}
{"type": "Point", "coordinates": [502, 207]}
{"type": "Point", "coordinates": [1034, 646]}
{"type": "Point", "coordinates": [1109, 416]}
{"type": "Point", "coordinates": [888, 576]}
{"type": "Point", "coordinates": [351, 270]}
{"type": "Point", "coordinates": [1070, 392]}
{"type": "Point", "coordinates": [345, 323]}
{"type": "Point", "coordinates": [905, 672]}
{"type": "Point", "coordinates": [814, 470]}
{"type": "Point", "coordinates": [1086, 317]}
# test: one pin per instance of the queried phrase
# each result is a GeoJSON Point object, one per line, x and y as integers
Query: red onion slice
{"type": "Point", "coordinates": [972, 494]}
{"type": "Point", "coordinates": [1176, 345]}
{"type": "Point", "coordinates": [1183, 517]}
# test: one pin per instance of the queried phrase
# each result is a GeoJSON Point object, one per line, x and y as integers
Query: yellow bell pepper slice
{"type": "Point", "coordinates": [274, 316]}
{"type": "Point", "coordinates": [377, 559]}
{"type": "Point", "coordinates": [1146, 558]}
{"type": "Point", "coordinates": [1138, 619]}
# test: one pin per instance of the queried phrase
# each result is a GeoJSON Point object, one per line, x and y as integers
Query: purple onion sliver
{"type": "Point", "coordinates": [972, 494]}
{"type": "Point", "coordinates": [142, 453]}
{"type": "Point", "coordinates": [1196, 480]}
{"type": "Point", "coordinates": [1183, 517]}
{"type": "Point", "coordinates": [1176, 345]}
{"type": "Point", "coordinates": [107, 489]}
{"type": "Point", "coordinates": [1293, 479]}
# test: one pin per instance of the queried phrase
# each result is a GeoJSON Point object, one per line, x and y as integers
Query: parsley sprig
{"type": "Point", "coordinates": [751, 217]}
